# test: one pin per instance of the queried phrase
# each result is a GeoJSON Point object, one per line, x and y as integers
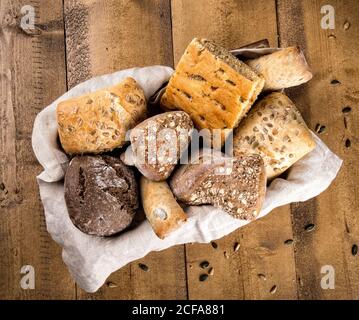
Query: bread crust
{"type": "Point", "coordinates": [98, 121]}
{"type": "Point", "coordinates": [274, 129]}
{"type": "Point", "coordinates": [240, 192]}
{"type": "Point", "coordinates": [282, 69]}
{"type": "Point", "coordinates": [169, 133]}
{"type": "Point", "coordinates": [101, 194]}
{"type": "Point", "coordinates": [215, 94]}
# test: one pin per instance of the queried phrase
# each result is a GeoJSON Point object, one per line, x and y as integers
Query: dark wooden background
{"type": "Point", "coordinates": [77, 39]}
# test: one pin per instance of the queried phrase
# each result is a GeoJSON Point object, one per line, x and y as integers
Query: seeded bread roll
{"type": "Point", "coordinates": [101, 194]}
{"type": "Point", "coordinates": [98, 121]}
{"type": "Point", "coordinates": [158, 142]}
{"type": "Point", "coordinates": [282, 69]}
{"type": "Point", "coordinates": [161, 208]}
{"type": "Point", "coordinates": [275, 130]}
{"type": "Point", "coordinates": [236, 185]}
{"type": "Point", "coordinates": [212, 86]}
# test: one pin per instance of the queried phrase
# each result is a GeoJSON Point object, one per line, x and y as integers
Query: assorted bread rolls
{"type": "Point", "coordinates": [210, 89]}
{"type": "Point", "coordinates": [98, 121]}
{"type": "Point", "coordinates": [276, 131]}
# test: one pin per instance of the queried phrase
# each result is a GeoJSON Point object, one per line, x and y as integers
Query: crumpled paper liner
{"type": "Point", "coordinates": [92, 259]}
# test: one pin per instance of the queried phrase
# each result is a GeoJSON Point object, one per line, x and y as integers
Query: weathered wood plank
{"type": "Point", "coordinates": [32, 74]}
{"type": "Point", "coordinates": [233, 24]}
{"type": "Point", "coordinates": [333, 55]}
{"type": "Point", "coordinates": [103, 37]}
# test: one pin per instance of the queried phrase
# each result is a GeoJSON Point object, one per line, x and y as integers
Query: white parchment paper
{"type": "Point", "coordinates": [92, 259]}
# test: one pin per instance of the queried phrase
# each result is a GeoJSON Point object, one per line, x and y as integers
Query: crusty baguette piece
{"type": "Point", "coordinates": [236, 185]}
{"type": "Point", "coordinates": [161, 208]}
{"type": "Point", "coordinates": [275, 130]}
{"type": "Point", "coordinates": [212, 86]}
{"type": "Point", "coordinates": [98, 121]}
{"type": "Point", "coordinates": [158, 142]}
{"type": "Point", "coordinates": [282, 69]}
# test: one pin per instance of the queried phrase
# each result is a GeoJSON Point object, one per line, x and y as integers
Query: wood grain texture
{"type": "Point", "coordinates": [233, 24]}
{"type": "Point", "coordinates": [333, 55]}
{"type": "Point", "coordinates": [103, 37]}
{"type": "Point", "coordinates": [32, 74]}
{"type": "Point", "coordinates": [106, 36]}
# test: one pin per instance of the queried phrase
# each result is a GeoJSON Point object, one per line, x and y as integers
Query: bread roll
{"type": "Point", "coordinates": [236, 185]}
{"type": "Point", "coordinates": [158, 142]}
{"type": "Point", "coordinates": [275, 130]}
{"type": "Point", "coordinates": [282, 69]}
{"type": "Point", "coordinates": [98, 121]}
{"type": "Point", "coordinates": [161, 208]}
{"type": "Point", "coordinates": [101, 194]}
{"type": "Point", "coordinates": [212, 86]}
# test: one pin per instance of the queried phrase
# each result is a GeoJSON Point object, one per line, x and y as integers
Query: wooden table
{"type": "Point", "coordinates": [77, 39]}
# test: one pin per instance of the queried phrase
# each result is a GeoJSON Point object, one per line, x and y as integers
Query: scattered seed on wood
{"type": "Point", "coordinates": [273, 290]}
{"type": "Point", "coordinates": [2, 186]}
{"type": "Point", "coordinates": [225, 253]}
{"type": "Point", "coordinates": [300, 281]}
{"type": "Point", "coordinates": [214, 245]}
{"type": "Point", "coordinates": [190, 266]}
{"type": "Point", "coordinates": [346, 109]}
{"type": "Point", "coordinates": [211, 271]}
{"type": "Point", "coordinates": [204, 264]}
{"type": "Point", "coordinates": [111, 284]}
{"type": "Point", "coordinates": [332, 36]}
{"type": "Point", "coordinates": [309, 227]}
{"type": "Point", "coordinates": [348, 143]}
{"type": "Point", "coordinates": [346, 25]}
{"type": "Point", "coordinates": [262, 276]}
{"type": "Point", "coordinates": [354, 250]}
{"type": "Point", "coordinates": [203, 277]}
{"type": "Point", "coordinates": [335, 82]}
{"type": "Point", "coordinates": [143, 267]}
{"type": "Point", "coordinates": [319, 128]}
{"type": "Point", "coordinates": [288, 241]}
{"type": "Point", "coordinates": [236, 247]}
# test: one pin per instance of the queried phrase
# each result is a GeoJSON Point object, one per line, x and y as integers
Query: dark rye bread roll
{"type": "Point", "coordinates": [236, 185]}
{"type": "Point", "coordinates": [101, 194]}
{"type": "Point", "coordinates": [158, 142]}
{"type": "Point", "coordinates": [212, 86]}
{"type": "Point", "coordinates": [276, 131]}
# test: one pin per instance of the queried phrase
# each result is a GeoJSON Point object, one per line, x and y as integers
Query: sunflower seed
{"type": "Point", "coordinates": [211, 271]}
{"type": "Point", "coordinates": [204, 264]}
{"type": "Point", "coordinates": [236, 246]}
{"type": "Point", "coordinates": [203, 277]}
{"type": "Point", "coordinates": [143, 267]}
{"type": "Point", "coordinates": [354, 250]}
{"type": "Point", "coordinates": [262, 276]}
{"type": "Point", "coordinates": [273, 289]}
{"type": "Point", "coordinates": [346, 25]}
{"type": "Point", "coordinates": [111, 284]}
{"type": "Point", "coordinates": [309, 227]}
{"type": "Point", "coordinates": [346, 109]}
